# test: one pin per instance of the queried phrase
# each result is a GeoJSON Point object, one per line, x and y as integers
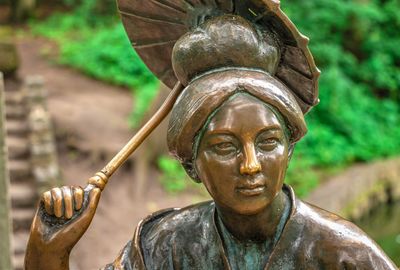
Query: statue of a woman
{"type": "Point", "coordinates": [233, 128]}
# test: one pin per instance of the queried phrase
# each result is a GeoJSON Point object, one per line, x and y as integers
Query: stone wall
{"type": "Point", "coordinates": [5, 224]}
{"type": "Point", "coordinates": [359, 189]}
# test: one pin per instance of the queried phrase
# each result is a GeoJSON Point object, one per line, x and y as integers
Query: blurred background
{"type": "Point", "coordinates": [75, 92]}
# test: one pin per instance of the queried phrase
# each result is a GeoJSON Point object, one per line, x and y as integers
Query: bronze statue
{"type": "Point", "coordinates": [248, 80]}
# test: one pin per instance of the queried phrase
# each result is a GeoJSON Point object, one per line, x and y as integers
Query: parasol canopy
{"type": "Point", "coordinates": [154, 26]}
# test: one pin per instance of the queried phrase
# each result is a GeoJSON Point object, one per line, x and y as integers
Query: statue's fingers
{"type": "Point", "coordinates": [78, 197]}
{"type": "Point", "coordinates": [48, 202]}
{"type": "Point", "coordinates": [68, 202]}
{"type": "Point", "coordinates": [56, 193]}
{"type": "Point", "coordinates": [82, 222]}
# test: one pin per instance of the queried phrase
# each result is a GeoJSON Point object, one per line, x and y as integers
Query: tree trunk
{"type": "Point", "coordinates": [5, 223]}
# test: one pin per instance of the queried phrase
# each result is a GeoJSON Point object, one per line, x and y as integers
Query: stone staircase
{"type": "Point", "coordinates": [22, 183]}
{"type": "Point", "coordinates": [32, 158]}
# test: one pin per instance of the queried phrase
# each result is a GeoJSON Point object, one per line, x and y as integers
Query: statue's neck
{"type": "Point", "coordinates": [259, 227]}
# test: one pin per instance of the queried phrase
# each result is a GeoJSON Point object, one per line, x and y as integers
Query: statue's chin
{"type": "Point", "coordinates": [249, 204]}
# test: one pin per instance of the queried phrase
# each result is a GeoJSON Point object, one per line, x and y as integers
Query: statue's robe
{"type": "Point", "coordinates": [311, 239]}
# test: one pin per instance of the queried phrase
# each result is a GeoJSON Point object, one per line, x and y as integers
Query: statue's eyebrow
{"type": "Point", "coordinates": [226, 131]}
{"type": "Point", "coordinates": [220, 131]}
{"type": "Point", "coordinates": [270, 129]}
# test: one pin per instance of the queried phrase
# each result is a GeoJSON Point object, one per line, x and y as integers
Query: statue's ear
{"type": "Point", "coordinates": [191, 171]}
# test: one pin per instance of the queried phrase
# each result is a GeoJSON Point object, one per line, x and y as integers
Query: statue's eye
{"type": "Point", "coordinates": [224, 148]}
{"type": "Point", "coordinates": [268, 144]}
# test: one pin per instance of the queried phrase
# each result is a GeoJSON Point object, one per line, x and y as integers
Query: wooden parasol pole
{"type": "Point", "coordinates": [101, 178]}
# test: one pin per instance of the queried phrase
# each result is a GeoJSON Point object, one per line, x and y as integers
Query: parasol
{"type": "Point", "coordinates": [154, 26]}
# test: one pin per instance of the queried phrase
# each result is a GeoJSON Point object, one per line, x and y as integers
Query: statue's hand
{"type": "Point", "coordinates": [63, 216]}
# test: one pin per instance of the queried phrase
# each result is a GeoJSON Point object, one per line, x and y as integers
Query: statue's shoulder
{"type": "Point", "coordinates": [174, 222]}
{"type": "Point", "coordinates": [156, 235]}
{"type": "Point", "coordinates": [333, 238]}
{"type": "Point", "coordinates": [322, 222]}
{"type": "Point", "coordinates": [176, 218]}
{"type": "Point", "coordinates": [175, 231]}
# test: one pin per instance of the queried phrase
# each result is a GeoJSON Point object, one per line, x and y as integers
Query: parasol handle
{"type": "Point", "coordinates": [100, 179]}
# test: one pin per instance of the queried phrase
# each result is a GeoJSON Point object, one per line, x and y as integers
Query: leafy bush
{"type": "Point", "coordinates": [355, 45]}
{"type": "Point", "coordinates": [92, 11]}
{"type": "Point", "coordinates": [174, 178]}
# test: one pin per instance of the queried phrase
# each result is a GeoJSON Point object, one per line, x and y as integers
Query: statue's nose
{"type": "Point", "coordinates": [250, 164]}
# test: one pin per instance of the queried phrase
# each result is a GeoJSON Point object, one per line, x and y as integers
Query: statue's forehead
{"type": "Point", "coordinates": [243, 112]}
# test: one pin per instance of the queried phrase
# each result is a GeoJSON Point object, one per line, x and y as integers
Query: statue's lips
{"type": "Point", "coordinates": [251, 190]}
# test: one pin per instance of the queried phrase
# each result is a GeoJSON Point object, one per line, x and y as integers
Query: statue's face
{"type": "Point", "coordinates": [243, 155]}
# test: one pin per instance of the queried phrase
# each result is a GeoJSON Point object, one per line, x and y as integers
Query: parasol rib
{"type": "Point", "coordinates": [168, 5]}
{"type": "Point", "coordinates": [189, 3]}
{"type": "Point", "coordinates": [151, 44]}
{"type": "Point", "coordinates": [145, 17]}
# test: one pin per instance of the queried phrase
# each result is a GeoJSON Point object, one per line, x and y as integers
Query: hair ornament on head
{"type": "Point", "coordinates": [224, 42]}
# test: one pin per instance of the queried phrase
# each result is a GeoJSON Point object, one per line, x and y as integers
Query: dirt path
{"type": "Point", "coordinates": [88, 111]}
{"type": "Point", "coordinates": [91, 121]}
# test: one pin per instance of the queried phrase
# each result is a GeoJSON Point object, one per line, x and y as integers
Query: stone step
{"type": "Point", "coordinates": [14, 98]}
{"type": "Point", "coordinates": [20, 240]}
{"type": "Point", "coordinates": [18, 262]}
{"type": "Point", "coordinates": [19, 170]}
{"type": "Point", "coordinates": [23, 195]}
{"type": "Point", "coordinates": [16, 127]}
{"type": "Point", "coordinates": [18, 147]}
{"type": "Point", "coordinates": [16, 112]}
{"type": "Point", "coordinates": [22, 218]}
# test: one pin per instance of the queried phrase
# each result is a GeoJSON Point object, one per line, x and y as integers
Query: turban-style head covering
{"type": "Point", "coordinates": [218, 59]}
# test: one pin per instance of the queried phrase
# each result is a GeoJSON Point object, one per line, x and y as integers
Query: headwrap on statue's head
{"type": "Point", "coordinates": [217, 49]}
{"type": "Point", "coordinates": [221, 57]}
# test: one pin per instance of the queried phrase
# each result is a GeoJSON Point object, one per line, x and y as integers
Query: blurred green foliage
{"type": "Point", "coordinates": [355, 43]}
{"type": "Point", "coordinates": [174, 177]}
{"type": "Point", "coordinates": [91, 38]}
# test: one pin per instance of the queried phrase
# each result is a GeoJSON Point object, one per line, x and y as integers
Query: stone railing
{"type": "Point", "coordinates": [32, 158]}
{"type": "Point", "coordinates": [5, 220]}
{"type": "Point", "coordinates": [41, 138]}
